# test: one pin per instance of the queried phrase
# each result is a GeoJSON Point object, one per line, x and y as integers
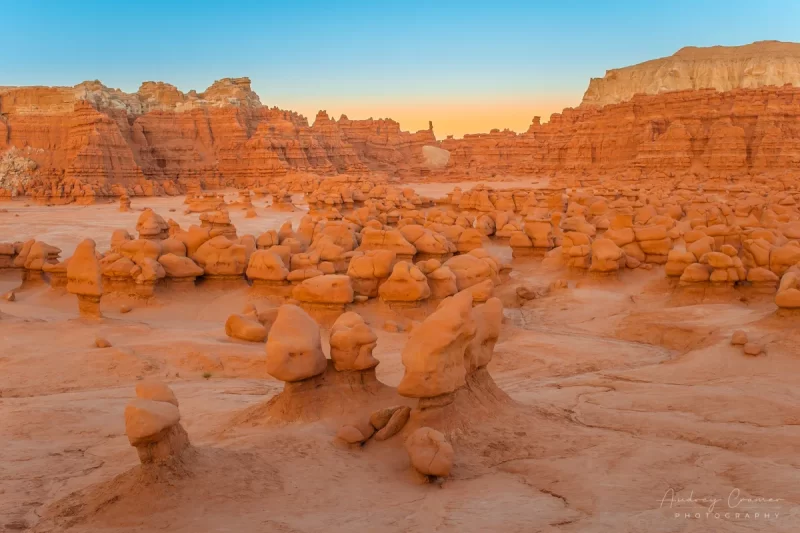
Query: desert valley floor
{"type": "Point", "coordinates": [625, 398]}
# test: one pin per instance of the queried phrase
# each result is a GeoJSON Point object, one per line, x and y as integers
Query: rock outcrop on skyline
{"type": "Point", "coordinates": [723, 68]}
{"type": "Point", "coordinates": [92, 140]}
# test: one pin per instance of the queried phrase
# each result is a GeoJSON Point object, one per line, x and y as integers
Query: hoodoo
{"type": "Point", "coordinates": [370, 329]}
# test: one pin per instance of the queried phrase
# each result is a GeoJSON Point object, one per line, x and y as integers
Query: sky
{"type": "Point", "coordinates": [467, 66]}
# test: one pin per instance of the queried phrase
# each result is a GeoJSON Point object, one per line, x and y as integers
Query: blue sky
{"type": "Point", "coordinates": [468, 66]}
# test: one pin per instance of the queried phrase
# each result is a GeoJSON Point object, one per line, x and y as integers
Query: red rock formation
{"type": "Point", "coordinates": [702, 132]}
{"type": "Point", "coordinates": [383, 145]}
{"type": "Point", "coordinates": [91, 140]}
{"type": "Point", "coordinates": [88, 140]}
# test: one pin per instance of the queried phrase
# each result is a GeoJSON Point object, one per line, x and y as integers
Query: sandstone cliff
{"type": "Point", "coordinates": [718, 67]}
{"type": "Point", "coordinates": [703, 133]}
{"type": "Point", "coordinates": [87, 140]}
{"type": "Point", "coordinates": [90, 139]}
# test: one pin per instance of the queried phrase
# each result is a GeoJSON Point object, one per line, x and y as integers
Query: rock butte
{"type": "Point", "coordinates": [547, 358]}
{"type": "Point", "coordinates": [704, 113]}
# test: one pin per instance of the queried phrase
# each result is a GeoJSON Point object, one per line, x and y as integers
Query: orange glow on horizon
{"type": "Point", "coordinates": [450, 117]}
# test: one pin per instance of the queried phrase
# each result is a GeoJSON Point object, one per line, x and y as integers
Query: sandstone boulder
{"type": "Point", "coordinates": [434, 354]}
{"type": "Point", "coordinates": [391, 240]}
{"type": "Point", "coordinates": [468, 270]}
{"type": "Point", "coordinates": [606, 256]}
{"type": "Point", "coordinates": [151, 225]}
{"type": "Point", "coordinates": [394, 424]}
{"type": "Point", "coordinates": [429, 452]}
{"type": "Point", "coordinates": [266, 266]}
{"type": "Point", "coordinates": [179, 267]}
{"type": "Point", "coordinates": [330, 289]}
{"type": "Point", "coordinates": [352, 342]}
{"type": "Point", "coordinates": [406, 284]}
{"type": "Point", "coordinates": [152, 424]}
{"type": "Point", "coordinates": [221, 257]}
{"type": "Point", "coordinates": [294, 347]}
{"type": "Point", "coordinates": [245, 328]}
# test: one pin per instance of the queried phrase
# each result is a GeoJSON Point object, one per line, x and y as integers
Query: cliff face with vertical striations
{"type": "Point", "coordinates": [699, 132]}
{"type": "Point", "coordinates": [723, 68]}
{"type": "Point", "coordinates": [89, 139]}
{"type": "Point", "coordinates": [745, 125]}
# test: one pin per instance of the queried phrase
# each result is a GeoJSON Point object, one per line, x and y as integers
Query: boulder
{"type": "Point", "coordinates": [147, 420]}
{"type": "Point", "coordinates": [151, 225]}
{"type": "Point", "coordinates": [352, 342]}
{"type": "Point", "coordinates": [139, 249]}
{"type": "Point", "coordinates": [696, 273]}
{"type": "Point", "coordinates": [391, 240]}
{"type": "Point", "coordinates": [153, 389]}
{"type": "Point", "coordinates": [179, 267]}
{"type": "Point", "coordinates": [329, 289]}
{"type": "Point", "coordinates": [739, 338]}
{"type": "Point", "coordinates": [350, 434]}
{"type": "Point", "coordinates": [429, 452]}
{"type": "Point", "coordinates": [266, 266]}
{"type": "Point", "coordinates": [245, 328]}
{"type": "Point", "coordinates": [153, 427]}
{"type": "Point", "coordinates": [468, 270]}
{"type": "Point", "coordinates": [396, 422]}
{"type": "Point", "coordinates": [606, 256]}
{"type": "Point", "coordinates": [788, 295]}
{"type": "Point", "coordinates": [368, 270]}
{"type": "Point", "coordinates": [294, 347]}
{"type": "Point", "coordinates": [222, 257]}
{"type": "Point", "coordinates": [434, 354]}
{"type": "Point", "coordinates": [406, 284]}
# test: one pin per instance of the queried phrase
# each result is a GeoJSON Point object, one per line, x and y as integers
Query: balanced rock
{"type": "Point", "coordinates": [84, 278]}
{"type": "Point", "coordinates": [152, 424]}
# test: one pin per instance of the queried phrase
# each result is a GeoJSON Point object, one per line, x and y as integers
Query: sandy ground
{"type": "Point", "coordinates": [628, 400]}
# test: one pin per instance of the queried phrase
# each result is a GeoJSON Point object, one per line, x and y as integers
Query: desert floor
{"type": "Point", "coordinates": [627, 396]}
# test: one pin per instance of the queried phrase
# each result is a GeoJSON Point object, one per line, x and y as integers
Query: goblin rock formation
{"type": "Point", "coordinates": [152, 423]}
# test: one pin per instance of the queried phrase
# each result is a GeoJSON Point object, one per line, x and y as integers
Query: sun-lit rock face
{"type": "Point", "coordinates": [696, 133]}
{"type": "Point", "coordinates": [704, 112]}
{"type": "Point", "coordinates": [91, 140]}
{"type": "Point", "coordinates": [717, 67]}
